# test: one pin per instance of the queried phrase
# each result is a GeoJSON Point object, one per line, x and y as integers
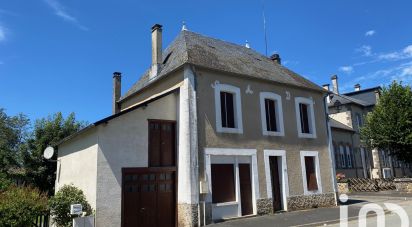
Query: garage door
{"type": "Point", "coordinates": [149, 197]}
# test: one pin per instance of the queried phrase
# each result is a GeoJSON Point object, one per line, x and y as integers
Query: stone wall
{"type": "Point", "coordinates": [311, 201]}
{"type": "Point", "coordinates": [403, 184]}
{"type": "Point", "coordinates": [264, 206]}
{"type": "Point", "coordinates": [187, 215]}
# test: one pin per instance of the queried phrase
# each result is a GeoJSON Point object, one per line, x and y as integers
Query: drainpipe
{"type": "Point", "coordinates": [331, 153]}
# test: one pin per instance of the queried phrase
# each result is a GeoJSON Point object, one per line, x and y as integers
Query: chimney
{"type": "Point", "coordinates": [276, 58]}
{"type": "Point", "coordinates": [117, 88]}
{"type": "Point", "coordinates": [326, 87]}
{"type": "Point", "coordinates": [156, 50]}
{"type": "Point", "coordinates": [357, 87]}
{"type": "Point", "coordinates": [335, 86]}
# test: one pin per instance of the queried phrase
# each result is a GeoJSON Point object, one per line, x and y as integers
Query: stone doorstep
{"type": "Point", "coordinates": [336, 221]}
{"type": "Point", "coordinates": [235, 218]}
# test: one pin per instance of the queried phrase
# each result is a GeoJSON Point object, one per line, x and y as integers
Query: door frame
{"type": "Point", "coordinates": [283, 179]}
{"type": "Point", "coordinates": [148, 170]}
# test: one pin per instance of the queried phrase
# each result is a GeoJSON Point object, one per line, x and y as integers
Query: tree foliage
{"type": "Point", "coordinates": [47, 131]}
{"type": "Point", "coordinates": [389, 125]}
{"type": "Point", "coordinates": [13, 133]}
{"type": "Point", "coordinates": [60, 204]}
{"type": "Point", "coordinates": [20, 206]}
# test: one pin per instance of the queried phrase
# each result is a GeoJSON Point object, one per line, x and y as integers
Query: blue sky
{"type": "Point", "coordinates": [58, 55]}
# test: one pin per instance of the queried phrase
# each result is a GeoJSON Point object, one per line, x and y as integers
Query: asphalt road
{"type": "Point", "coordinates": [330, 216]}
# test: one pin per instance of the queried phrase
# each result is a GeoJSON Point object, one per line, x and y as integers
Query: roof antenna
{"type": "Point", "coordinates": [264, 27]}
{"type": "Point", "coordinates": [184, 28]}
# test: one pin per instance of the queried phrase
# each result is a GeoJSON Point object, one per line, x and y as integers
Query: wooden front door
{"type": "Point", "coordinates": [274, 172]}
{"type": "Point", "coordinates": [149, 197]}
{"type": "Point", "coordinates": [245, 189]}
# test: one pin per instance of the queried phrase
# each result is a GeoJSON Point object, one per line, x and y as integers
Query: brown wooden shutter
{"type": "Point", "coordinates": [310, 173]}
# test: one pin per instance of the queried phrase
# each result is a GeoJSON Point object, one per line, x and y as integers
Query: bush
{"type": "Point", "coordinates": [20, 206]}
{"type": "Point", "coordinates": [60, 205]}
{"type": "Point", "coordinates": [4, 182]}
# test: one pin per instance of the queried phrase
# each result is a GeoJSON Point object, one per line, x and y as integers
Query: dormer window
{"type": "Point", "coordinates": [305, 117]}
{"type": "Point", "coordinates": [271, 114]}
{"type": "Point", "coordinates": [228, 109]}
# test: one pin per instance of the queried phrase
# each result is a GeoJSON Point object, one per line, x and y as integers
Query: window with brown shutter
{"type": "Point", "coordinates": [227, 110]}
{"type": "Point", "coordinates": [223, 183]}
{"type": "Point", "coordinates": [270, 110]}
{"type": "Point", "coordinates": [311, 180]}
{"type": "Point", "coordinates": [304, 118]}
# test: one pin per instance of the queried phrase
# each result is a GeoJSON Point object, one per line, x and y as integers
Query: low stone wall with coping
{"type": "Point", "coordinates": [311, 201]}
{"type": "Point", "coordinates": [403, 184]}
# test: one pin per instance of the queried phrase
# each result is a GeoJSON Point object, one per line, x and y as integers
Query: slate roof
{"type": "Point", "coordinates": [336, 124]}
{"type": "Point", "coordinates": [211, 53]}
{"type": "Point", "coordinates": [343, 99]}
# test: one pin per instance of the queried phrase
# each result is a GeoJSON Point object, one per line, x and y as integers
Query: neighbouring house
{"type": "Point", "coordinates": [347, 114]}
{"type": "Point", "coordinates": [212, 130]}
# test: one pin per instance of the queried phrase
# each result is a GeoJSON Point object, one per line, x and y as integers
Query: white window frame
{"type": "Point", "coordinates": [349, 156]}
{"type": "Point", "coordinates": [311, 112]}
{"type": "Point", "coordinates": [237, 108]}
{"type": "Point", "coordinates": [279, 113]}
{"type": "Point", "coordinates": [236, 154]}
{"type": "Point", "coordinates": [284, 175]}
{"type": "Point", "coordinates": [314, 154]}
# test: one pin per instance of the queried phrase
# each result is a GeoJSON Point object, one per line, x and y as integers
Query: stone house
{"type": "Point", "coordinates": [352, 158]}
{"type": "Point", "coordinates": [212, 130]}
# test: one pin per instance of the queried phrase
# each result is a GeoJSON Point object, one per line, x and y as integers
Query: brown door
{"type": "Point", "coordinates": [245, 189]}
{"type": "Point", "coordinates": [274, 172]}
{"type": "Point", "coordinates": [148, 197]}
{"type": "Point", "coordinates": [162, 143]}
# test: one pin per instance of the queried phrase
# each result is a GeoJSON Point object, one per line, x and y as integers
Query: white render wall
{"type": "Point", "coordinates": [77, 165]}
{"type": "Point", "coordinates": [123, 142]}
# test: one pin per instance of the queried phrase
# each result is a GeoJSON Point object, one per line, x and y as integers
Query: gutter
{"type": "Point", "coordinates": [331, 153]}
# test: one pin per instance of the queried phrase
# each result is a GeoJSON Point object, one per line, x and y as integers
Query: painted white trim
{"type": "Point", "coordinates": [279, 113]}
{"type": "Point", "coordinates": [254, 173]}
{"type": "Point", "coordinates": [284, 179]}
{"type": "Point", "coordinates": [315, 154]}
{"type": "Point", "coordinates": [238, 108]}
{"type": "Point", "coordinates": [312, 122]}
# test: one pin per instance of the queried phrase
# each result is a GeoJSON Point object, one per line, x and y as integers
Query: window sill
{"type": "Point", "coordinates": [267, 133]}
{"type": "Point", "coordinates": [230, 130]}
{"type": "Point", "coordinates": [225, 204]}
{"type": "Point", "coordinates": [307, 135]}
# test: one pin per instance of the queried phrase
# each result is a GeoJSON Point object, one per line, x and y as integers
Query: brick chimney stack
{"type": "Point", "coordinates": [156, 49]}
{"type": "Point", "coordinates": [117, 89]}
{"type": "Point", "coordinates": [276, 58]}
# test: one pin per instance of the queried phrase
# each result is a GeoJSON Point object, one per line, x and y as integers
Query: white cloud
{"type": "Point", "coordinates": [60, 11]}
{"type": "Point", "coordinates": [408, 50]}
{"type": "Point", "coordinates": [370, 33]}
{"type": "Point", "coordinates": [405, 53]}
{"type": "Point", "coordinates": [2, 33]}
{"type": "Point", "coordinates": [346, 69]}
{"type": "Point", "coordinates": [365, 50]}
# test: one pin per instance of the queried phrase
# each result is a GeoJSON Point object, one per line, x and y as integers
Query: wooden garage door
{"type": "Point", "coordinates": [149, 197]}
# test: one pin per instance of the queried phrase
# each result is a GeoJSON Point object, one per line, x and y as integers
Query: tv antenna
{"type": "Point", "coordinates": [264, 28]}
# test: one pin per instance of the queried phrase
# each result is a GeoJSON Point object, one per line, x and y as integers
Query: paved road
{"type": "Point", "coordinates": [329, 216]}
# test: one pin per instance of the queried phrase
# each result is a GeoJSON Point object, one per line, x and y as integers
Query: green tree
{"type": "Point", "coordinates": [13, 134]}
{"type": "Point", "coordinates": [47, 131]}
{"type": "Point", "coordinates": [389, 125]}
{"type": "Point", "coordinates": [60, 204]}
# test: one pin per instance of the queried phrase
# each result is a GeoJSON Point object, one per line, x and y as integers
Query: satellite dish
{"type": "Point", "coordinates": [48, 152]}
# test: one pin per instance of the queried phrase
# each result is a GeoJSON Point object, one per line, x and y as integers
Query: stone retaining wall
{"type": "Point", "coordinates": [403, 184]}
{"type": "Point", "coordinates": [311, 201]}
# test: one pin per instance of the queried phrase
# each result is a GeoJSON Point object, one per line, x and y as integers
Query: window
{"type": "Point", "coordinates": [305, 117]}
{"type": "Point", "coordinates": [271, 114]}
{"type": "Point", "coordinates": [223, 183]}
{"type": "Point", "coordinates": [358, 121]}
{"type": "Point", "coordinates": [342, 156]}
{"type": "Point", "coordinates": [310, 172]}
{"type": "Point", "coordinates": [337, 155]}
{"type": "Point", "coordinates": [228, 109]}
{"type": "Point", "coordinates": [349, 156]}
